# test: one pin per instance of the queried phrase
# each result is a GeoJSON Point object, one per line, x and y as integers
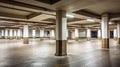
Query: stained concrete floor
{"type": "Point", "coordinates": [82, 53]}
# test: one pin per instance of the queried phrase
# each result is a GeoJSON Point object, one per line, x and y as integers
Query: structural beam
{"type": "Point", "coordinates": [24, 5]}
{"type": "Point", "coordinates": [12, 15]}
{"type": "Point", "coordinates": [33, 15]}
{"type": "Point", "coordinates": [87, 13]}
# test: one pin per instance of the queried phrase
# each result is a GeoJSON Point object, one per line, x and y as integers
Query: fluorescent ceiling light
{"type": "Point", "coordinates": [110, 22]}
{"type": "Point", "coordinates": [68, 15]}
{"type": "Point", "coordinates": [91, 20]}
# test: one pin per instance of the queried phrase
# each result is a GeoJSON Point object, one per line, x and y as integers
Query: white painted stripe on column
{"type": "Point", "coordinates": [99, 33]}
{"type": "Point", "coordinates": [25, 31]}
{"type": "Point", "coordinates": [115, 33]}
{"type": "Point", "coordinates": [52, 34]}
{"type": "Point", "coordinates": [6, 32]}
{"type": "Point", "coordinates": [76, 32]}
{"type": "Point", "coordinates": [118, 30]}
{"type": "Point", "coordinates": [41, 33]}
{"type": "Point", "coordinates": [33, 33]}
{"type": "Point", "coordinates": [2, 32]}
{"type": "Point", "coordinates": [88, 33]}
{"type": "Point", "coordinates": [64, 28]}
{"type": "Point", "coordinates": [18, 32]}
{"type": "Point", "coordinates": [11, 32]}
{"type": "Point", "coordinates": [104, 26]}
{"type": "Point", "coordinates": [67, 33]}
{"type": "Point", "coordinates": [15, 32]}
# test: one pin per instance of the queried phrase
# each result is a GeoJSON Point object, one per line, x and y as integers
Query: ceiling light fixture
{"type": "Point", "coordinates": [110, 22]}
{"type": "Point", "coordinates": [91, 20]}
{"type": "Point", "coordinates": [71, 16]}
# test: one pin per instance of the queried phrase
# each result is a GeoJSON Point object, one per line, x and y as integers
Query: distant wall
{"type": "Point", "coordinates": [82, 34]}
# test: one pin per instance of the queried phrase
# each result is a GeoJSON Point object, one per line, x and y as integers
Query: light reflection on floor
{"type": "Point", "coordinates": [37, 53]}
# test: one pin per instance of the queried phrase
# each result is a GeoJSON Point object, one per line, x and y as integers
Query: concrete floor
{"type": "Point", "coordinates": [13, 53]}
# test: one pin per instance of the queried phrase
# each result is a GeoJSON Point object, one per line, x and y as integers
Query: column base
{"type": "Point", "coordinates": [61, 48]}
{"type": "Point", "coordinates": [34, 37]}
{"type": "Point", "coordinates": [105, 43]}
{"type": "Point", "coordinates": [25, 40]}
{"type": "Point", "coordinates": [6, 37]}
{"type": "Point", "coordinates": [99, 38]}
{"type": "Point", "coordinates": [76, 38]}
{"type": "Point", "coordinates": [18, 38]}
{"type": "Point", "coordinates": [10, 38]}
{"type": "Point", "coordinates": [3, 37]}
{"type": "Point", "coordinates": [41, 38]}
{"type": "Point", "coordinates": [15, 37]}
{"type": "Point", "coordinates": [88, 38]}
{"type": "Point", "coordinates": [52, 38]}
{"type": "Point", "coordinates": [118, 40]}
{"type": "Point", "coordinates": [115, 38]}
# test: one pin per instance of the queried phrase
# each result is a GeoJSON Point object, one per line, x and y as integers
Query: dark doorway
{"type": "Point", "coordinates": [111, 34]}
{"type": "Point", "coordinates": [94, 34]}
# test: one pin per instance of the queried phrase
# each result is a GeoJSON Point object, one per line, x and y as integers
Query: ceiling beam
{"type": "Point", "coordinates": [87, 13]}
{"type": "Point", "coordinates": [25, 5]}
{"type": "Point", "coordinates": [12, 15]}
{"type": "Point", "coordinates": [33, 15]}
{"type": "Point", "coordinates": [116, 15]}
{"type": "Point", "coordinates": [22, 21]}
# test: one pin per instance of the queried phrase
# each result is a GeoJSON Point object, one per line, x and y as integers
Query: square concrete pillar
{"type": "Point", "coordinates": [61, 36]}
{"type": "Point", "coordinates": [105, 29]}
{"type": "Point", "coordinates": [25, 34]}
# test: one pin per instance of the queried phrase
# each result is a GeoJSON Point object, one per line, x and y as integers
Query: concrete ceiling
{"type": "Point", "coordinates": [41, 13]}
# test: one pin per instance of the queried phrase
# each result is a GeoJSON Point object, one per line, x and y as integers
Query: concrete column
{"type": "Point", "coordinates": [52, 34]}
{"type": "Point", "coordinates": [11, 34]}
{"type": "Point", "coordinates": [76, 34]}
{"type": "Point", "coordinates": [22, 33]}
{"type": "Point", "coordinates": [99, 34]}
{"type": "Point", "coordinates": [6, 34]}
{"type": "Point", "coordinates": [18, 34]}
{"type": "Point", "coordinates": [69, 34]}
{"type": "Point", "coordinates": [61, 38]}
{"type": "Point", "coordinates": [105, 31]}
{"type": "Point", "coordinates": [33, 34]}
{"type": "Point", "coordinates": [115, 34]}
{"type": "Point", "coordinates": [73, 34]}
{"type": "Point", "coordinates": [3, 36]}
{"type": "Point", "coordinates": [41, 34]}
{"type": "Point", "coordinates": [118, 32]}
{"type": "Point", "coordinates": [88, 34]}
{"type": "Point", "coordinates": [25, 34]}
{"type": "Point", "coordinates": [15, 34]}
